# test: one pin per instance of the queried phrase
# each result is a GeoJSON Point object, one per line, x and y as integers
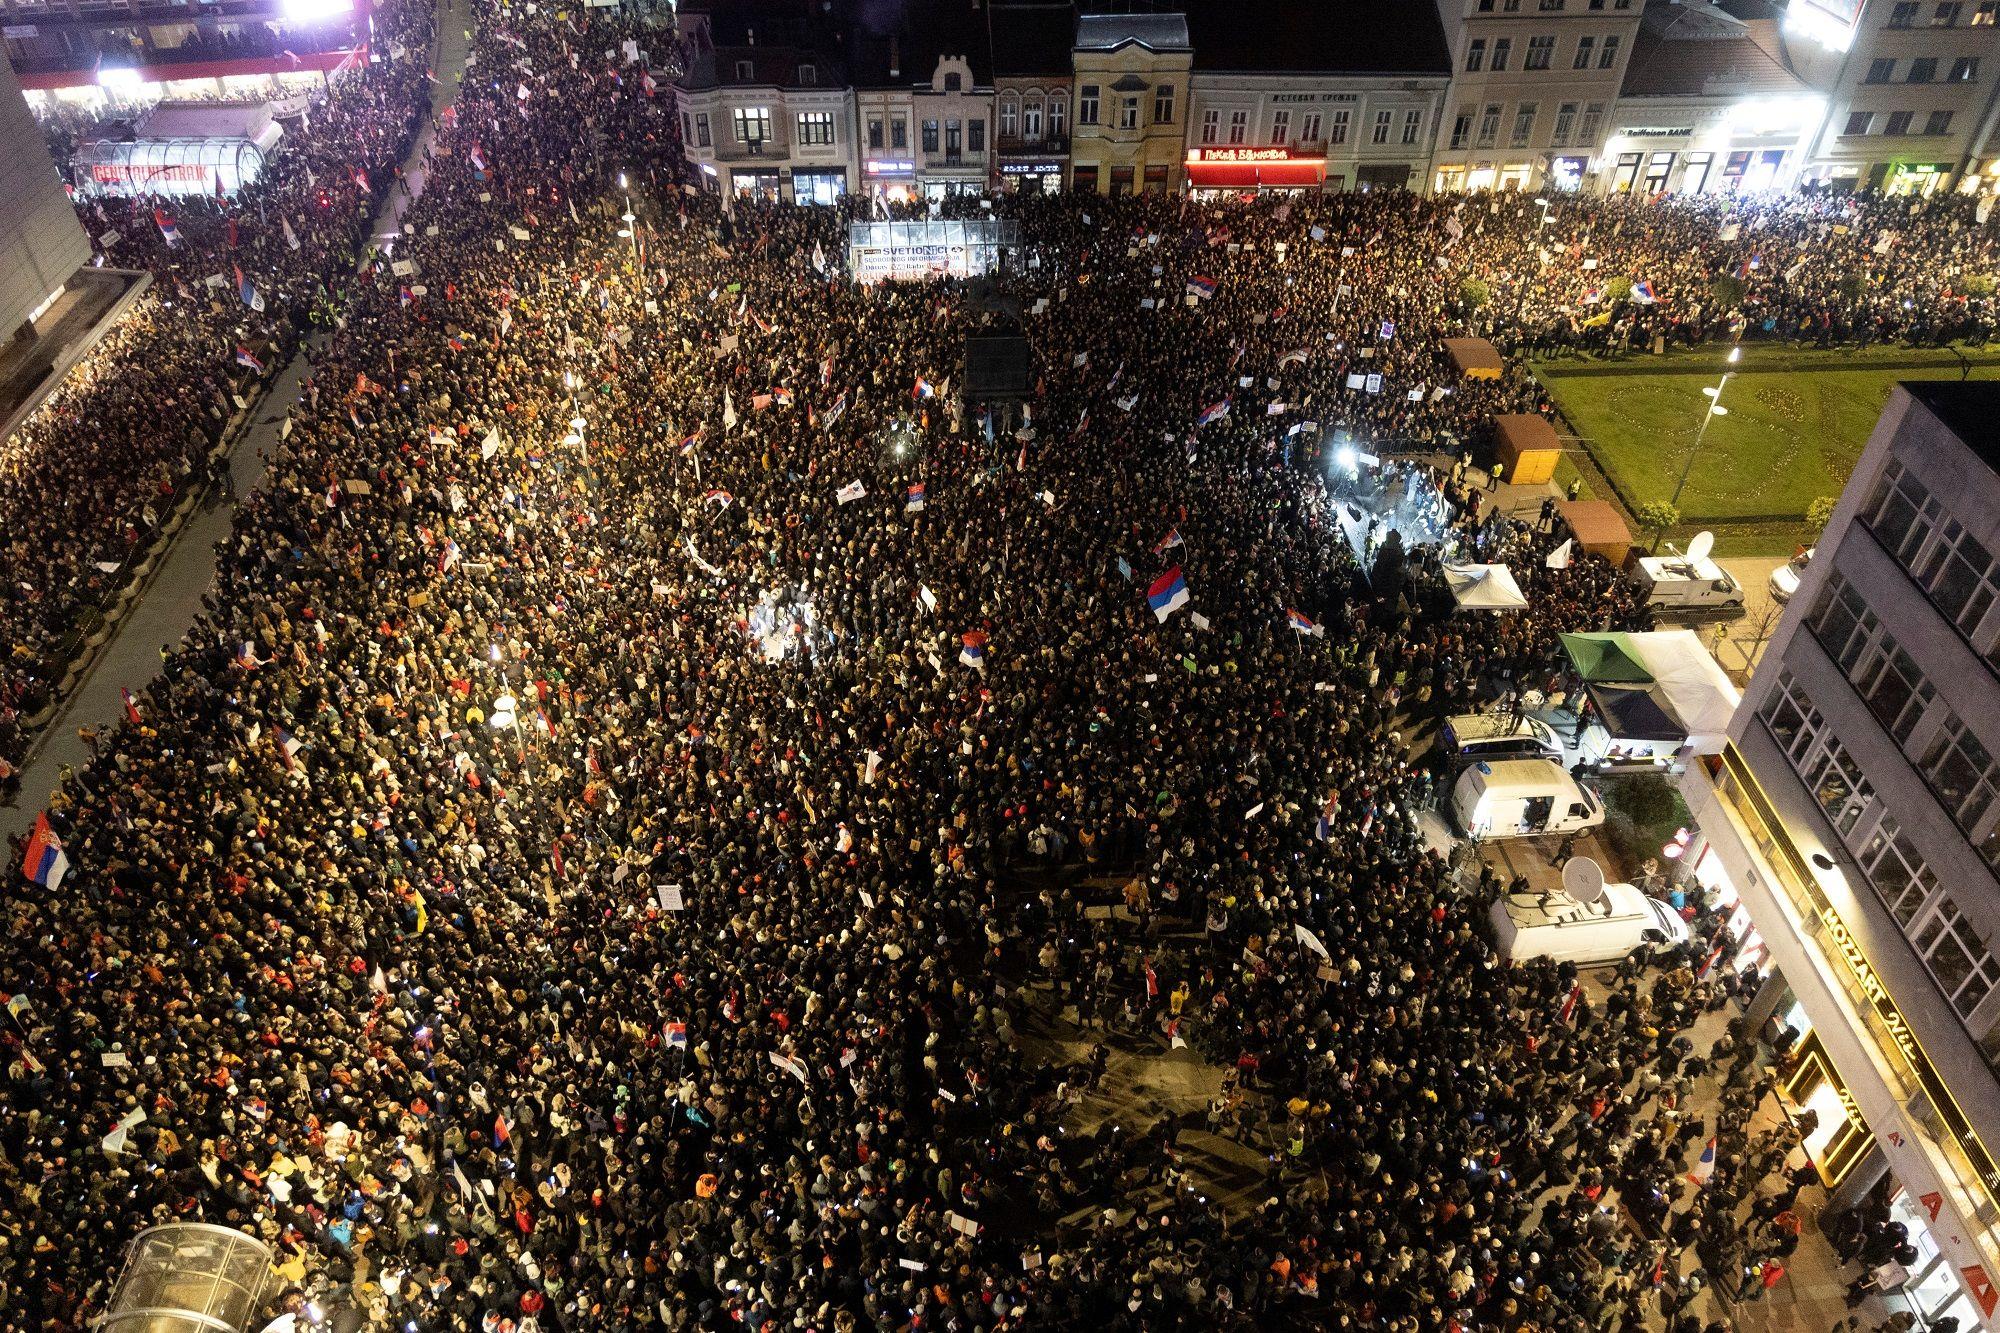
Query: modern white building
{"type": "Point", "coordinates": [1709, 105]}
{"type": "Point", "coordinates": [1853, 825]}
{"type": "Point", "coordinates": [1910, 88]}
{"type": "Point", "coordinates": [1532, 90]}
{"type": "Point", "coordinates": [1345, 102]}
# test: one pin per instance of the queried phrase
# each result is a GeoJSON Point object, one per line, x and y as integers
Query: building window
{"type": "Point", "coordinates": [1156, 178]}
{"type": "Point", "coordinates": [930, 136]}
{"type": "Point", "coordinates": [816, 127]}
{"type": "Point", "coordinates": [1031, 120]}
{"type": "Point", "coordinates": [1938, 122]}
{"type": "Point", "coordinates": [1524, 125]}
{"type": "Point", "coordinates": [1010, 118]}
{"type": "Point", "coordinates": [1475, 55]}
{"type": "Point", "coordinates": [1901, 879]}
{"type": "Point", "coordinates": [1899, 123]}
{"type": "Point", "coordinates": [899, 132]}
{"type": "Point", "coordinates": [701, 134]}
{"type": "Point", "coordinates": [1211, 125]}
{"type": "Point", "coordinates": [1957, 571]}
{"type": "Point", "coordinates": [808, 75]}
{"type": "Point", "coordinates": [1239, 126]}
{"type": "Point", "coordinates": [1881, 71]}
{"type": "Point", "coordinates": [1922, 70]}
{"type": "Point", "coordinates": [1961, 773]}
{"type": "Point", "coordinates": [875, 133]}
{"type": "Point", "coordinates": [1085, 178]}
{"type": "Point", "coordinates": [1964, 967]}
{"type": "Point", "coordinates": [951, 142]}
{"type": "Point", "coordinates": [1128, 115]}
{"type": "Point", "coordinates": [1985, 15]}
{"type": "Point", "coordinates": [1842, 622]}
{"type": "Point", "coordinates": [1121, 180]}
{"type": "Point", "coordinates": [1946, 15]}
{"type": "Point", "coordinates": [975, 135]}
{"type": "Point", "coordinates": [1383, 121]}
{"type": "Point", "coordinates": [1541, 50]}
{"type": "Point", "coordinates": [1965, 69]}
{"type": "Point", "coordinates": [1309, 127]}
{"type": "Point", "coordinates": [1894, 689]}
{"type": "Point", "coordinates": [1163, 104]}
{"type": "Point", "coordinates": [1489, 126]}
{"type": "Point", "coordinates": [745, 71]}
{"type": "Point", "coordinates": [1281, 127]}
{"type": "Point", "coordinates": [1413, 124]}
{"type": "Point", "coordinates": [954, 82]}
{"type": "Point", "coordinates": [1593, 116]}
{"type": "Point", "coordinates": [1461, 129]}
{"type": "Point", "coordinates": [1904, 14]}
{"type": "Point", "coordinates": [1086, 104]}
{"type": "Point", "coordinates": [1565, 121]}
{"type": "Point", "coordinates": [753, 124]}
{"type": "Point", "coordinates": [1857, 122]}
{"type": "Point", "coordinates": [1337, 126]}
{"type": "Point", "coordinates": [1057, 110]}
{"type": "Point", "coordinates": [1552, 6]}
{"type": "Point", "coordinates": [1502, 48]}
{"type": "Point", "coordinates": [1609, 55]}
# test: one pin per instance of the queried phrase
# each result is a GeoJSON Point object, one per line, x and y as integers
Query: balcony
{"type": "Point", "coordinates": [1049, 145]}
{"type": "Point", "coordinates": [729, 149]}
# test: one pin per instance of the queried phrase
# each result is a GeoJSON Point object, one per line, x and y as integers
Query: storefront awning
{"type": "Point", "coordinates": [1254, 175]}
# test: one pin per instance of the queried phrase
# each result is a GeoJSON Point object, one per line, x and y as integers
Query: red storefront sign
{"type": "Point", "coordinates": [1243, 168]}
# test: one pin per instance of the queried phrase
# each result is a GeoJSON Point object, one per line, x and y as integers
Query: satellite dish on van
{"type": "Point", "coordinates": [1703, 543]}
{"type": "Point", "coordinates": [1583, 881]}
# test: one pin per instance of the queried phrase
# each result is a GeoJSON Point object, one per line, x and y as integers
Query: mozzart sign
{"type": "Point", "coordinates": [1280, 154]}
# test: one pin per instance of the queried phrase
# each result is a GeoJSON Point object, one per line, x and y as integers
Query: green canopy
{"type": "Point", "coordinates": [1606, 659]}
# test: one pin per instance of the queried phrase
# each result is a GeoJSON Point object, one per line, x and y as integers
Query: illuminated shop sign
{"type": "Point", "coordinates": [1278, 154]}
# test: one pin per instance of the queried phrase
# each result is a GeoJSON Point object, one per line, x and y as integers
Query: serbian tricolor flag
{"type": "Point", "coordinates": [914, 501]}
{"type": "Point", "coordinates": [922, 389]}
{"type": "Point", "coordinates": [246, 291]}
{"type": "Point", "coordinates": [1201, 287]}
{"type": "Point", "coordinates": [361, 179]}
{"type": "Point", "coordinates": [1213, 412]}
{"type": "Point", "coordinates": [43, 860]}
{"type": "Point", "coordinates": [781, 396]}
{"type": "Point", "coordinates": [170, 232]}
{"type": "Point", "coordinates": [245, 357]}
{"type": "Point", "coordinates": [131, 706]}
{"type": "Point", "coordinates": [1168, 594]}
{"type": "Point", "coordinates": [503, 1128]}
{"type": "Point", "coordinates": [1704, 1166]}
{"type": "Point", "coordinates": [647, 83]}
{"type": "Point", "coordinates": [1168, 542]}
{"type": "Point", "coordinates": [478, 160]}
{"type": "Point", "coordinates": [1303, 624]}
{"type": "Point", "coordinates": [972, 649]}
{"type": "Point", "coordinates": [677, 1036]}
{"type": "Point", "coordinates": [1642, 292]}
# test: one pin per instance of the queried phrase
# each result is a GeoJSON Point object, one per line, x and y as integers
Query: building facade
{"type": "Point", "coordinates": [1346, 102]}
{"type": "Point", "coordinates": [41, 242]}
{"type": "Point", "coordinates": [1532, 91]}
{"type": "Point", "coordinates": [1910, 88]}
{"type": "Point", "coordinates": [1853, 825]}
{"type": "Point", "coordinates": [1709, 105]}
{"type": "Point", "coordinates": [1032, 88]}
{"type": "Point", "coordinates": [765, 110]}
{"type": "Point", "coordinates": [1131, 78]}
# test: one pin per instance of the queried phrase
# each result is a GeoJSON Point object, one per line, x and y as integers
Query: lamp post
{"type": "Point", "coordinates": [1715, 409]}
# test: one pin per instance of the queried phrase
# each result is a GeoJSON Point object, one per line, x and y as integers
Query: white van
{"type": "Point", "coordinates": [1491, 736]}
{"type": "Point", "coordinates": [1689, 583]}
{"type": "Point", "coordinates": [1519, 798]}
{"type": "Point", "coordinates": [1603, 929]}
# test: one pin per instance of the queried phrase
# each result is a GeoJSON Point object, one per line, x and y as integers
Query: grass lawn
{"type": "Point", "coordinates": [1795, 425]}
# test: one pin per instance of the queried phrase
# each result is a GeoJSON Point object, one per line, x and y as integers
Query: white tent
{"type": "Point", "coordinates": [1694, 683]}
{"type": "Point", "coordinates": [1484, 588]}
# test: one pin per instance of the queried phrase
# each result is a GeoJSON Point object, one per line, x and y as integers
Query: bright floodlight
{"type": "Point", "coordinates": [118, 76]}
{"type": "Point", "coordinates": [306, 11]}
{"type": "Point", "coordinates": [1735, 355]}
{"type": "Point", "coordinates": [1348, 457]}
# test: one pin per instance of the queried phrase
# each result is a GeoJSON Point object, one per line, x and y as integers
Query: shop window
{"type": "Point", "coordinates": [1085, 178]}
{"type": "Point", "coordinates": [1121, 180]}
{"type": "Point", "coordinates": [1156, 178]}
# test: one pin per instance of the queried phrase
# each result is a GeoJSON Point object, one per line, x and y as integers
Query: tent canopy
{"type": "Point", "coordinates": [1696, 687]}
{"type": "Point", "coordinates": [1606, 659]}
{"type": "Point", "coordinates": [1484, 588]}
{"type": "Point", "coordinates": [1475, 358]}
{"type": "Point", "coordinates": [1636, 713]}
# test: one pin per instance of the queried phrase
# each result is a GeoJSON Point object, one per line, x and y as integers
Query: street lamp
{"type": "Point", "coordinates": [1715, 409]}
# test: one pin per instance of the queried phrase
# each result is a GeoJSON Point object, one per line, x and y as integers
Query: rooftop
{"type": "Point", "coordinates": [1969, 409]}
{"type": "Point", "coordinates": [1110, 32]}
{"type": "Point", "coordinates": [1699, 50]}
{"type": "Point", "coordinates": [1342, 37]}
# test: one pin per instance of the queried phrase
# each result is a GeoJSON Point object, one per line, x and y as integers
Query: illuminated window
{"type": "Point", "coordinates": [1965, 69]}
{"type": "Point", "coordinates": [752, 123]}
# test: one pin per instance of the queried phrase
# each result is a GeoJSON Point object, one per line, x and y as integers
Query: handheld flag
{"type": "Point", "coordinates": [1705, 1166]}
{"type": "Point", "coordinates": [169, 232]}
{"type": "Point", "coordinates": [131, 706]}
{"type": "Point", "coordinates": [1201, 287]}
{"type": "Point", "coordinates": [1167, 594]}
{"type": "Point", "coordinates": [1559, 558]}
{"type": "Point", "coordinates": [291, 237]}
{"type": "Point", "coordinates": [245, 357]}
{"type": "Point", "coordinates": [246, 291]}
{"type": "Point", "coordinates": [972, 649]}
{"type": "Point", "coordinates": [43, 860]}
{"type": "Point", "coordinates": [1642, 292]}
{"type": "Point", "coordinates": [1213, 412]}
{"type": "Point", "coordinates": [1304, 624]}
{"type": "Point", "coordinates": [915, 499]}
{"type": "Point", "coordinates": [922, 389]}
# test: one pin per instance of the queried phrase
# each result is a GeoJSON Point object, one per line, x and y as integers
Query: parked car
{"type": "Point", "coordinates": [1552, 926]}
{"type": "Point", "coordinates": [1785, 578]}
{"type": "Point", "coordinates": [1498, 736]}
{"type": "Point", "coordinates": [1515, 798]}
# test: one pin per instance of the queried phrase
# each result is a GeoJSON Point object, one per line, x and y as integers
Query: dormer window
{"type": "Point", "coordinates": [808, 76]}
{"type": "Point", "coordinates": [745, 71]}
{"type": "Point", "coordinates": [953, 82]}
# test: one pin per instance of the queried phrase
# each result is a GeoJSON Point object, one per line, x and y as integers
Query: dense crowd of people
{"type": "Point", "coordinates": [592, 864]}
